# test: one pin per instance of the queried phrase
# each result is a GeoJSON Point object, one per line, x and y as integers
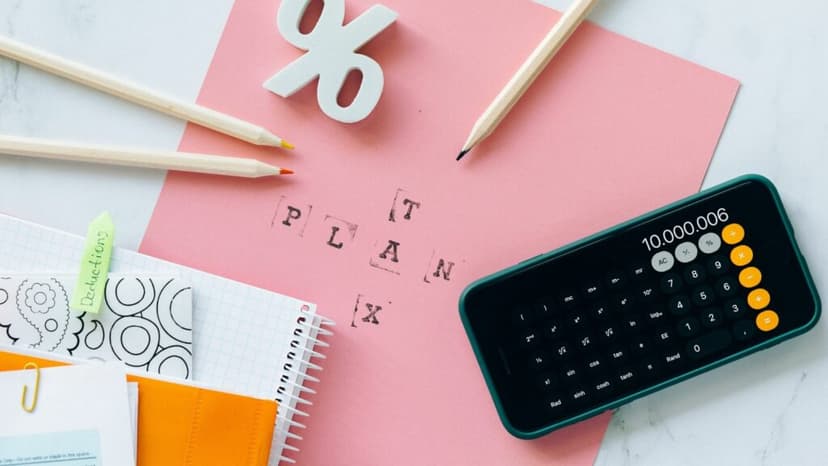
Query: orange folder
{"type": "Point", "coordinates": [186, 425]}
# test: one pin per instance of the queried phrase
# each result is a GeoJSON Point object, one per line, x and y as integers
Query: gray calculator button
{"type": "Point", "coordinates": [662, 261]}
{"type": "Point", "coordinates": [710, 243]}
{"type": "Point", "coordinates": [686, 252]}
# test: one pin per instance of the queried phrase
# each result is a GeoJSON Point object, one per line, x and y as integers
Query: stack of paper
{"type": "Point", "coordinates": [82, 415]}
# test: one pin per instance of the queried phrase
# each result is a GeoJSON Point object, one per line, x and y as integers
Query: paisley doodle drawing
{"type": "Point", "coordinates": [134, 340]}
{"type": "Point", "coordinates": [129, 296]}
{"type": "Point", "coordinates": [96, 336]}
{"type": "Point", "coordinates": [45, 306]}
{"type": "Point", "coordinates": [75, 333]}
{"type": "Point", "coordinates": [4, 296]}
{"type": "Point", "coordinates": [174, 310]}
{"type": "Point", "coordinates": [172, 360]}
{"type": "Point", "coordinates": [11, 337]}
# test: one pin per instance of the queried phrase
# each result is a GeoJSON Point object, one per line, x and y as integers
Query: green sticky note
{"type": "Point", "coordinates": [94, 267]}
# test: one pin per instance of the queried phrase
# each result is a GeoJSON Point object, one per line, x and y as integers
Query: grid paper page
{"type": "Point", "coordinates": [241, 334]}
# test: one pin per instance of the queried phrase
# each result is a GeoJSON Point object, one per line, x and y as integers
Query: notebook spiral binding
{"type": "Point", "coordinates": [292, 389]}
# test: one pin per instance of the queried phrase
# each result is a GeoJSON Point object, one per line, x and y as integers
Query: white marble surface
{"type": "Point", "coordinates": [771, 408]}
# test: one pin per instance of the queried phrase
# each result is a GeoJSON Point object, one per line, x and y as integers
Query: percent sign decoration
{"type": "Point", "coordinates": [331, 55]}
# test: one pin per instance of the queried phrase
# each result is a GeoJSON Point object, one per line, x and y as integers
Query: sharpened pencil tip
{"type": "Point", "coordinates": [462, 153]}
{"type": "Point", "coordinates": [286, 144]}
{"type": "Point", "coordinates": [285, 171]}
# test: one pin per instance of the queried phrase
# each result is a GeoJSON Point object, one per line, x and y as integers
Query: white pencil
{"type": "Point", "coordinates": [162, 160]}
{"type": "Point", "coordinates": [87, 76]}
{"type": "Point", "coordinates": [527, 72]}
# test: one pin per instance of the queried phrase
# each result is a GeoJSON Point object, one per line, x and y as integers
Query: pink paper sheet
{"type": "Point", "coordinates": [610, 130]}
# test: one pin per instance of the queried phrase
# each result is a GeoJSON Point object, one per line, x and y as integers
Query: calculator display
{"type": "Point", "coordinates": [654, 301]}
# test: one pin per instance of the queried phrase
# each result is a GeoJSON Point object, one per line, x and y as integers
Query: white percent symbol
{"type": "Point", "coordinates": [331, 55]}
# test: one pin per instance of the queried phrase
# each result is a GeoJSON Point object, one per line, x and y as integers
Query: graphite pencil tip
{"type": "Point", "coordinates": [462, 153]}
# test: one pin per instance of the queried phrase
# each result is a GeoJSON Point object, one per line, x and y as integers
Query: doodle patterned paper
{"type": "Point", "coordinates": [145, 322]}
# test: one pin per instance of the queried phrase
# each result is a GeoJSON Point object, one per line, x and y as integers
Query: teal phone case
{"type": "Point", "coordinates": [658, 386]}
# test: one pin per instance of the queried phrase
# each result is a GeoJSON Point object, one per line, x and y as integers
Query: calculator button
{"type": "Point", "coordinates": [546, 382]}
{"type": "Point", "coordinates": [688, 327]}
{"type": "Point", "coordinates": [665, 336]}
{"type": "Point", "coordinates": [570, 373]}
{"type": "Point", "coordinates": [626, 376]}
{"type": "Point", "coordinates": [711, 317]}
{"type": "Point", "coordinates": [647, 293]}
{"type": "Point", "coordinates": [632, 323]}
{"type": "Point", "coordinates": [650, 366]}
{"type": "Point", "coordinates": [585, 342]}
{"type": "Point", "coordinates": [568, 299]}
{"type": "Point", "coordinates": [702, 296]}
{"type": "Point", "coordinates": [735, 308]}
{"type": "Point", "coordinates": [529, 338]}
{"type": "Point", "coordinates": [560, 351]}
{"type": "Point", "coordinates": [615, 280]}
{"type": "Point", "coordinates": [717, 265]}
{"type": "Point", "coordinates": [726, 287]}
{"type": "Point", "coordinates": [623, 302]}
{"type": "Point", "coordinates": [710, 243]}
{"type": "Point", "coordinates": [576, 320]}
{"type": "Point", "coordinates": [602, 386]}
{"type": "Point", "coordinates": [733, 233]}
{"type": "Point", "coordinates": [592, 289]}
{"type": "Point", "coordinates": [741, 255]}
{"type": "Point", "coordinates": [744, 330]}
{"type": "Point", "coordinates": [618, 355]}
{"type": "Point", "coordinates": [673, 359]}
{"type": "Point", "coordinates": [749, 277]}
{"type": "Point", "coordinates": [758, 298]}
{"type": "Point", "coordinates": [694, 274]}
{"type": "Point", "coordinates": [679, 305]}
{"type": "Point", "coordinates": [578, 395]}
{"type": "Point", "coordinates": [671, 283]}
{"type": "Point", "coordinates": [552, 330]}
{"type": "Point", "coordinates": [662, 261]}
{"type": "Point", "coordinates": [554, 405]}
{"type": "Point", "coordinates": [708, 344]}
{"type": "Point", "coordinates": [595, 364]}
{"type": "Point", "coordinates": [599, 310]}
{"type": "Point", "coordinates": [539, 360]}
{"type": "Point", "coordinates": [640, 347]}
{"type": "Point", "coordinates": [608, 334]}
{"type": "Point", "coordinates": [638, 271]}
{"type": "Point", "coordinates": [544, 309]}
{"type": "Point", "coordinates": [767, 320]}
{"type": "Point", "coordinates": [522, 316]}
{"type": "Point", "coordinates": [686, 252]}
{"type": "Point", "coordinates": [656, 316]}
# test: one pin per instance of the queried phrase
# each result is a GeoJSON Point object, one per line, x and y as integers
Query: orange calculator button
{"type": "Point", "coordinates": [741, 255]}
{"type": "Point", "coordinates": [733, 233]}
{"type": "Point", "coordinates": [758, 298]}
{"type": "Point", "coordinates": [767, 320]}
{"type": "Point", "coordinates": [750, 277]}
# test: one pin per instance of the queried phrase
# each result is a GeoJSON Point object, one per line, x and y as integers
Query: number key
{"type": "Point", "coordinates": [679, 305]}
{"type": "Point", "coordinates": [717, 264]}
{"type": "Point", "coordinates": [688, 327]}
{"type": "Point", "coordinates": [735, 308]}
{"type": "Point", "coordinates": [702, 296]}
{"type": "Point", "coordinates": [671, 283]}
{"type": "Point", "coordinates": [726, 287]}
{"type": "Point", "coordinates": [711, 318]}
{"type": "Point", "coordinates": [694, 274]}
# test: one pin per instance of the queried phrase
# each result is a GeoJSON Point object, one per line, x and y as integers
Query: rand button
{"type": "Point", "coordinates": [686, 252]}
{"type": "Point", "coordinates": [662, 261]}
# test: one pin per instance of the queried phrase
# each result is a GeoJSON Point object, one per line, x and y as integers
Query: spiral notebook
{"type": "Point", "coordinates": [245, 339]}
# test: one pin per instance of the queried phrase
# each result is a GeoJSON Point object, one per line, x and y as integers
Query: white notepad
{"type": "Point", "coordinates": [245, 339]}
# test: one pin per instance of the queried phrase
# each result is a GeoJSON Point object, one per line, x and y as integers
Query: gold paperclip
{"type": "Point", "coordinates": [31, 408]}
